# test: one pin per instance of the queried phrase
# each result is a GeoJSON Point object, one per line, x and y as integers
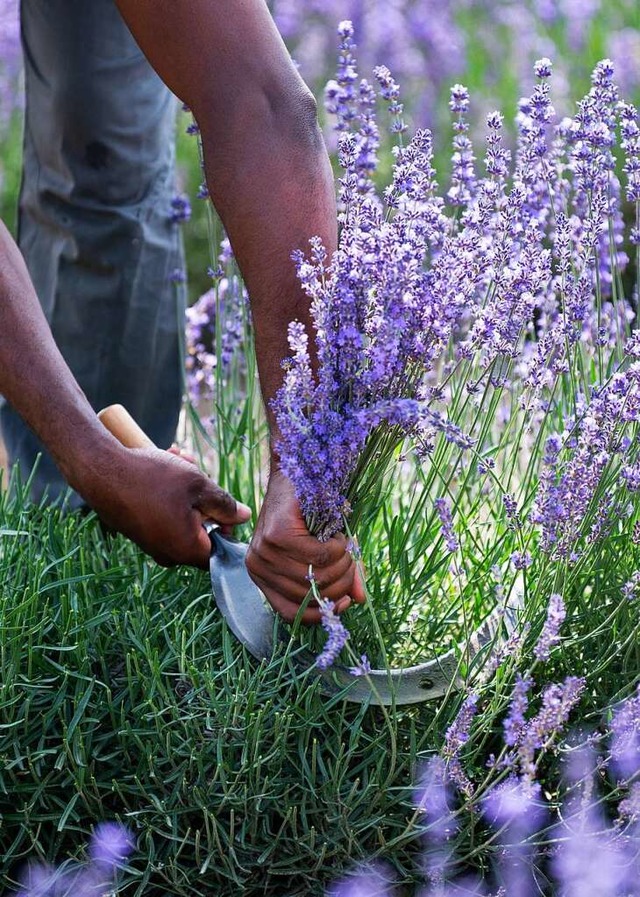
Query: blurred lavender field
{"type": "Point", "coordinates": [11, 97]}
{"type": "Point", "coordinates": [490, 46]}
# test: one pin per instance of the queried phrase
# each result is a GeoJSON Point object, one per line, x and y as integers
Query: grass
{"type": "Point", "coordinates": [123, 695]}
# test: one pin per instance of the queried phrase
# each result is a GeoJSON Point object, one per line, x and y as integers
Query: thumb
{"type": "Point", "coordinates": [216, 504]}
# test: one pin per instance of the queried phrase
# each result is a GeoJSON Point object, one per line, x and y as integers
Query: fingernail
{"type": "Point", "coordinates": [243, 509]}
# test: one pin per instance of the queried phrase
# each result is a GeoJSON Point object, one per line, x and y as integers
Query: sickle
{"type": "Point", "coordinates": [256, 626]}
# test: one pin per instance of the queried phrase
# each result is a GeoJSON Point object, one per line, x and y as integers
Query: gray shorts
{"type": "Point", "coordinates": [94, 219]}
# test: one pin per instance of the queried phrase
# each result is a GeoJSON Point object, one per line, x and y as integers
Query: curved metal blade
{"type": "Point", "coordinates": [254, 623]}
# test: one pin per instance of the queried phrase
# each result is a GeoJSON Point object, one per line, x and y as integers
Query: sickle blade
{"type": "Point", "coordinates": [254, 623]}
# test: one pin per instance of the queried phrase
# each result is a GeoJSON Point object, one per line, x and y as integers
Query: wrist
{"type": "Point", "coordinates": [90, 462]}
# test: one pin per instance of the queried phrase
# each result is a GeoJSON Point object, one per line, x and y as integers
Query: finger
{"type": "Point", "coordinates": [301, 574]}
{"type": "Point", "coordinates": [203, 541]}
{"type": "Point", "coordinates": [216, 504]}
{"type": "Point", "coordinates": [289, 610]}
{"type": "Point", "coordinates": [293, 579]}
{"type": "Point", "coordinates": [300, 547]}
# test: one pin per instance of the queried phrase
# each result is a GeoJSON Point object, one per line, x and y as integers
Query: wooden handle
{"type": "Point", "coordinates": [119, 422]}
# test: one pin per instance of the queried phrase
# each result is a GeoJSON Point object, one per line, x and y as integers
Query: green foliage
{"type": "Point", "coordinates": [122, 695]}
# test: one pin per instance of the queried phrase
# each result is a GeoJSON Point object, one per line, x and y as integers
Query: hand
{"type": "Point", "coordinates": [159, 500]}
{"type": "Point", "coordinates": [282, 550]}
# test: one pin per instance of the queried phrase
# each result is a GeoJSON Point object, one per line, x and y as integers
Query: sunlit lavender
{"type": "Point", "coordinates": [507, 282]}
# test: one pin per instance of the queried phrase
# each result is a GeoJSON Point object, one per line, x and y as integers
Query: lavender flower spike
{"type": "Point", "coordinates": [336, 631]}
{"type": "Point", "coordinates": [455, 738]}
{"type": "Point", "coordinates": [550, 631]}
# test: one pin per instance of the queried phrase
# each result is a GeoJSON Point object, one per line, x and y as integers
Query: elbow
{"type": "Point", "coordinates": [294, 115]}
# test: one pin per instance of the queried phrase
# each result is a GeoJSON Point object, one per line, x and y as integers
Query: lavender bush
{"type": "Point", "coordinates": [476, 353]}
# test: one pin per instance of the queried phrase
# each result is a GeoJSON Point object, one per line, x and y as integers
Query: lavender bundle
{"type": "Point", "coordinates": [382, 318]}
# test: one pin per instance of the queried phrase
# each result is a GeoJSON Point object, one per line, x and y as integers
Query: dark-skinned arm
{"type": "Point", "coordinates": [152, 496]}
{"type": "Point", "coordinates": [270, 180]}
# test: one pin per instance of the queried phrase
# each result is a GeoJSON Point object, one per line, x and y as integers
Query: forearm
{"type": "Point", "coordinates": [267, 168]}
{"type": "Point", "coordinates": [273, 192]}
{"type": "Point", "coordinates": [35, 379]}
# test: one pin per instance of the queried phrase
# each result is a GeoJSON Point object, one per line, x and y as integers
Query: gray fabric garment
{"type": "Point", "coordinates": [94, 223]}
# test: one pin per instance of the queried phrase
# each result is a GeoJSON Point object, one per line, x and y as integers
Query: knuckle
{"type": "Point", "coordinates": [321, 557]}
{"type": "Point", "coordinates": [271, 536]}
{"type": "Point", "coordinates": [252, 561]}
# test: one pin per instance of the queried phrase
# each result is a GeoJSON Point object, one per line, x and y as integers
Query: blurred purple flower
{"type": "Point", "coordinates": [592, 859]}
{"type": "Point", "coordinates": [11, 93]}
{"type": "Point", "coordinates": [433, 796]}
{"type": "Point", "coordinates": [625, 738]}
{"type": "Point", "coordinates": [372, 880]}
{"type": "Point", "coordinates": [110, 845]}
{"type": "Point", "coordinates": [180, 209]}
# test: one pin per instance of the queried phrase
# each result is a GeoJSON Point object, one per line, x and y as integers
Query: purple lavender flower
{"type": "Point", "coordinates": [550, 634]}
{"type": "Point", "coordinates": [631, 587]}
{"type": "Point", "coordinates": [521, 559]}
{"type": "Point", "coordinates": [463, 174]}
{"type": "Point", "coordinates": [514, 722]}
{"type": "Point", "coordinates": [363, 668]}
{"type": "Point", "coordinates": [630, 142]}
{"type": "Point", "coordinates": [511, 510]}
{"type": "Point", "coordinates": [455, 739]}
{"type": "Point", "coordinates": [446, 521]}
{"type": "Point", "coordinates": [558, 700]}
{"type": "Point", "coordinates": [336, 632]}
{"type": "Point", "coordinates": [180, 209]}
{"type": "Point", "coordinates": [215, 331]}
{"type": "Point", "coordinates": [543, 68]}
{"type": "Point", "coordinates": [178, 275]}
{"type": "Point", "coordinates": [390, 91]}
